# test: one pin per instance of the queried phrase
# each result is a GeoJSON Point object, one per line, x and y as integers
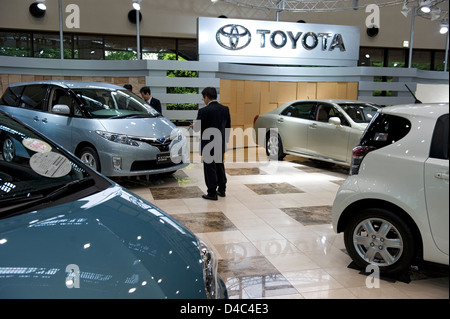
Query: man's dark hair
{"type": "Point", "coordinates": [145, 90]}
{"type": "Point", "coordinates": [128, 87]}
{"type": "Point", "coordinates": [210, 92]}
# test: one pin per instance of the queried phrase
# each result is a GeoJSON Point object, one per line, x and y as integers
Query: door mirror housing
{"type": "Point", "coordinates": [334, 120]}
{"type": "Point", "coordinates": [61, 109]}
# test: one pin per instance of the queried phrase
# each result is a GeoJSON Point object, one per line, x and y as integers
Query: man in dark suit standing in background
{"type": "Point", "coordinates": [146, 94]}
{"type": "Point", "coordinates": [215, 122]}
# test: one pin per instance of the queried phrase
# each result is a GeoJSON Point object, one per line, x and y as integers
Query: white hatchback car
{"type": "Point", "coordinates": [394, 206]}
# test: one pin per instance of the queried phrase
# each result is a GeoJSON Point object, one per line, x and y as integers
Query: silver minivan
{"type": "Point", "coordinates": [108, 127]}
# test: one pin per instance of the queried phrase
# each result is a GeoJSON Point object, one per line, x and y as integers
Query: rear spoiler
{"type": "Point", "coordinates": [416, 100]}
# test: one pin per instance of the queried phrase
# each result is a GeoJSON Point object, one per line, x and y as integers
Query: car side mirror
{"type": "Point", "coordinates": [61, 109]}
{"type": "Point", "coordinates": [334, 120]}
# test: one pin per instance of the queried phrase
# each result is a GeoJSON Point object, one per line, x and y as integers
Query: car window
{"type": "Point", "coordinates": [103, 103]}
{"type": "Point", "coordinates": [359, 113]}
{"type": "Point", "coordinates": [440, 142]}
{"type": "Point", "coordinates": [325, 111]}
{"type": "Point", "coordinates": [33, 97]}
{"type": "Point", "coordinates": [12, 96]}
{"type": "Point", "coordinates": [35, 173]}
{"type": "Point", "coordinates": [300, 110]}
{"type": "Point", "coordinates": [384, 130]}
{"type": "Point", "coordinates": [60, 96]}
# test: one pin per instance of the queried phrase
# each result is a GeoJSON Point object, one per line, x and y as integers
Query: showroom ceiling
{"type": "Point", "coordinates": [325, 5]}
{"type": "Point", "coordinates": [438, 8]}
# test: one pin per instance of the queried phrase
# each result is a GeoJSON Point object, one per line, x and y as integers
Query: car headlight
{"type": "Point", "coordinates": [177, 135]}
{"type": "Point", "coordinates": [118, 138]}
{"type": "Point", "coordinates": [209, 263]}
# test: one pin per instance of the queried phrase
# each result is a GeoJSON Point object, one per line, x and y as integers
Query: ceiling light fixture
{"type": "Point", "coordinates": [443, 29]}
{"type": "Point", "coordinates": [41, 5]}
{"type": "Point", "coordinates": [38, 8]}
{"type": "Point", "coordinates": [425, 6]}
{"type": "Point", "coordinates": [137, 4]}
{"type": "Point", "coordinates": [405, 9]}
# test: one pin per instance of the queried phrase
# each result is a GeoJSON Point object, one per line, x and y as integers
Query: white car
{"type": "Point", "coordinates": [325, 130]}
{"type": "Point", "coordinates": [393, 208]}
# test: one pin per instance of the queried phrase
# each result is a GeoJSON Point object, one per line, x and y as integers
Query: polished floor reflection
{"type": "Point", "coordinates": [272, 232]}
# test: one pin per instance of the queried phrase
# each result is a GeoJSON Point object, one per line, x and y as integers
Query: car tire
{"type": "Point", "coordinates": [274, 146]}
{"type": "Point", "coordinates": [89, 156]}
{"type": "Point", "coordinates": [379, 237]}
{"type": "Point", "coordinates": [8, 149]}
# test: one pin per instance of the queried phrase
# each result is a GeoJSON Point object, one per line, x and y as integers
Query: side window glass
{"type": "Point", "coordinates": [60, 96]}
{"type": "Point", "coordinates": [334, 112]}
{"type": "Point", "coordinates": [299, 110]}
{"type": "Point", "coordinates": [323, 113]}
{"type": "Point", "coordinates": [440, 144]}
{"type": "Point", "coordinates": [385, 130]}
{"type": "Point", "coordinates": [33, 97]}
{"type": "Point", "coordinates": [12, 95]}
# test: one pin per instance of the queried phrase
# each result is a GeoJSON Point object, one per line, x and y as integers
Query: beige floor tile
{"type": "Point", "coordinates": [277, 247]}
{"type": "Point", "coordinates": [292, 262]}
{"type": "Point", "coordinates": [226, 237]}
{"type": "Point", "coordinates": [262, 233]}
{"type": "Point", "coordinates": [341, 293]}
{"type": "Point", "coordinates": [435, 288]}
{"type": "Point", "coordinates": [311, 280]}
{"type": "Point", "coordinates": [385, 291]}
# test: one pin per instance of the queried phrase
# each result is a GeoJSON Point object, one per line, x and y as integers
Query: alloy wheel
{"type": "Point", "coordinates": [9, 152]}
{"type": "Point", "coordinates": [378, 242]}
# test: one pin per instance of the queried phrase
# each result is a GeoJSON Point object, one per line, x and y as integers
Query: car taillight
{"type": "Point", "coordinates": [359, 153]}
{"type": "Point", "coordinates": [254, 120]}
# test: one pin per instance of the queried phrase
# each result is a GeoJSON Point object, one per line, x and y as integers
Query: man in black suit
{"type": "Point", "coordinates": [215, 122]}
{"type": "Point", "coordinates": [146, 94]}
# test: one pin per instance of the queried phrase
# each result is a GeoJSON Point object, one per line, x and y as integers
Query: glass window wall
{"type": "Point", "coordinates": [112, 47]}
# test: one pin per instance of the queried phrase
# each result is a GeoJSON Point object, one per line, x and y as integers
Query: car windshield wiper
{"type": "Point", "coordinates": [14, 205]}
{"type": "Point", "coordinates": [133, 116]}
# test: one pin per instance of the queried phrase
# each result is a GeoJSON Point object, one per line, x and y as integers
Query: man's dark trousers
{"type": "Point", "coordinates": [215, 177]}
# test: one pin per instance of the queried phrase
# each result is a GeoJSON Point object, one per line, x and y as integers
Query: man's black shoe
{"type": "Point", "coordinates": [209, 197]}
{"type": "Point", "coordinates": [221, 193]}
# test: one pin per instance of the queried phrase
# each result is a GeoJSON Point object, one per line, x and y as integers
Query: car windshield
{"type": "Point", "coordinates": [35, 173]}
{"type": "Point", "coordinates": [360, 113]}
{"type": "Point", "coordinates": [104, 103]}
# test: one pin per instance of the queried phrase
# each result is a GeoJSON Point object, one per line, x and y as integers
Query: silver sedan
{"type": "Point", "coordinates": [325, 130]}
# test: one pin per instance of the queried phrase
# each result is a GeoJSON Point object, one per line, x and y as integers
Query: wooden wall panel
{"type": "Point", "coordinates": [352, 90]}
{"type": "Point", "coordinates": [306, 90]}
{"type": "Point", "coordinates": [287, 91]}
{"type": "Point", "coordinates": [327, 90]}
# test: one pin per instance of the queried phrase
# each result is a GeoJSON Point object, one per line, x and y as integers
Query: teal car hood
{"type": "Point", "coordinates": [108, 245]}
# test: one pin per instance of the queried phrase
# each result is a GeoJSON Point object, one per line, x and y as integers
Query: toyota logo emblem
{"type": "Point", "coordinates": [233, 37]}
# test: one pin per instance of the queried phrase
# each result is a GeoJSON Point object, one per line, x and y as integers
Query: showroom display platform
{"type": "Point", "coordinates": [272, 232]}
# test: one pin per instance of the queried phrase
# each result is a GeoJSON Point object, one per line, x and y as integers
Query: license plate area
{"type": "Point", "coordinates": [163, 158]}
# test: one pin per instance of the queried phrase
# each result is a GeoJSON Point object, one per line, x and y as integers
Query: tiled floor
{"type": "Point", "coordinates": [272, 232]}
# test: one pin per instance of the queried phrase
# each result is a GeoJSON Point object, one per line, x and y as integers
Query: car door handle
{"type": "Point", "coordinates": [313, 125]}
{"type": "Point", "coordinates": [443, 176]}
{"type": "Point", "coordinates": [36, 119]}
{"type": "Point", "coordinates": [45, 120]}
{"type": "Point", "coordinates": [280, 120]}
